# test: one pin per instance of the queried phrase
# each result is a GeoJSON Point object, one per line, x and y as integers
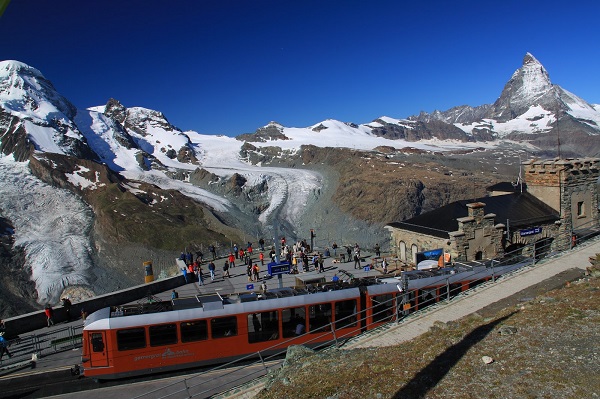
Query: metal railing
{"type": "Point", "coordinates": [34, 347]}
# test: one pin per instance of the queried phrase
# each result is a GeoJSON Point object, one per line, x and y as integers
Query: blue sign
{"type": "Point", "coordinates": [367, 268]}
{"type": "Point", "coordinates": [528, 232]}
{"type": "Point", "coordinates": [249, 287]}
{"type": "Point", "coordinates": [275, 268]}
{"type": "Point", "coordinates": [434, 254]}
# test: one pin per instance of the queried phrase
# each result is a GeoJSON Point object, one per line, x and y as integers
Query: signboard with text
{"type": "Point", "coordinates": [275, 268]}
{"type": "Point", "coordinates": [528, 232]}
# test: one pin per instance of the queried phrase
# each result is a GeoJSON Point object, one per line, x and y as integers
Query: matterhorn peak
{"type": "Point", "coordinates": [529, 85]}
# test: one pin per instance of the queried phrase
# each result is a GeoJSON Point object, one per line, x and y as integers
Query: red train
{"type": "Point", "coordinates": [191, 332]}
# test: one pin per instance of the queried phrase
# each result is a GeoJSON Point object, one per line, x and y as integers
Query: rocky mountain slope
{"type": "Point", "coordinates": [112, 186]}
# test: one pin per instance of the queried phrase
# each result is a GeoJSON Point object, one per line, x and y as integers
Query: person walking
{"type": "Point", "coordinates": [226, 269]}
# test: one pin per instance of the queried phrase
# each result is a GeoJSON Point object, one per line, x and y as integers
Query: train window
{"type": "Point", "coordinates": [132, 338]}
{"type": "Point", "coordinates": [455, 289]}
{"type": "Point", "coordinates": [345, 314]}
{"type": "Point", "coordinates": [163, 334]}
{"type": "Point", "coordinates": [382, 307]}
{"type": "Point", "coordinates": [319, 318]}
{"type": "Point", "coordinates": [426, 297]}
{"type": "Point", "coordinates": [291, 319]}
{"type": "Point", "coordinates": [97, 342]}
{"type": "Point", "coordinates": [194, 331]}
{"type": "Point", "coordinates": [263, 326]}
{"type": "Point", "coordinates": [223, 327]}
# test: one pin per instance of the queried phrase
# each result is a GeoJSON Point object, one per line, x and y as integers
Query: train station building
{"type": "Point", "coordinates": [555, 204]}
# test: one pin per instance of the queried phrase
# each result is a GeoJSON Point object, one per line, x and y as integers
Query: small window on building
{"type": "Point", "coordinates": [580, 209]}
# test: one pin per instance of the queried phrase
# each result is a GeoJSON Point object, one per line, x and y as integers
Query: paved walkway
{"type": "Point", "coordinates": [463, 305]}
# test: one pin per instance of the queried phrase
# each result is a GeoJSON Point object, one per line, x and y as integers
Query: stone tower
{"type": "Point", "coordinates": [571, 187]}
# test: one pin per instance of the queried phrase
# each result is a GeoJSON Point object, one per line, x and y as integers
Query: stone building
{"type": "Point", "coordinates": [559, 199]}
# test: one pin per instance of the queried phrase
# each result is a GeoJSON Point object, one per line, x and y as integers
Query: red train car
{"type": "Point", "coordinates": [204, 330]}
{"type": "Point", "coordinates": [213, 330]}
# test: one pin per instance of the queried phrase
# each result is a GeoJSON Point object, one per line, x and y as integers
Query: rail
{"type": "Point", "coordinates": [30, 348]}
{"type": "Point", "coordinates": [191, 386]}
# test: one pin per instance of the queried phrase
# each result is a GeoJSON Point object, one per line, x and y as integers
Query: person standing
{"type": "Point", "coordinates": [174, 295]}
{"type": "Point", "coordinates": [231, 260]}
{"type": "Point", "coordinates": [3, 346]}
{"type": "Point", "coordinates": [200, 276]}
{"type": "Point", "coordinates": [335, 247]}
{"type": "Point", "coordinates": [261, 256]}
{"type": "Point", "coordinates": [49, 315]}
{"type": "Point", "coordinates": [356, 260]}
{"type": "Point", "coordinates": [66, 302]}
{"type": "Point", "coordinates": [211, 269]}
{"type": "Point", "coordinates": [185, 274]}
{"type": "Point", "coordinates": [249, 272]}
{"type": "Point", "coordinates": [377, 250]}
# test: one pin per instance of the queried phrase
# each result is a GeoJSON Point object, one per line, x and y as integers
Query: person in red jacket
{"type": "Point", "coordinates": [49, 315]}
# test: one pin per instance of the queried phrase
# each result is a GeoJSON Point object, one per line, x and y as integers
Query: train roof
{"type": "Point", "coordinates": [208, 308]}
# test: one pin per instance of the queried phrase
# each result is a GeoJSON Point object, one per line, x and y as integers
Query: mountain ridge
{"type": "Point", "coordinates": [156, 189]}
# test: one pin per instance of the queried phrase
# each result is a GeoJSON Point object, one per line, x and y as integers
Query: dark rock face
{"type": "Point", "coordinates": [13, 137]}
{"type": "Point", "coordinates": [273, 131]}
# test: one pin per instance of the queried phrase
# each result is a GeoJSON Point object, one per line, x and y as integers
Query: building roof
{"type": "Point", "coordinates": [507, 187]}
{"type": "Point", "coordinates": [521, 210]}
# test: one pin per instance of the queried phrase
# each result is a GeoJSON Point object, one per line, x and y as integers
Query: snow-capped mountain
{"type": "Point", "coordinates": [118, 173]}
{"type": "Point", "coordinates": [529, 108]}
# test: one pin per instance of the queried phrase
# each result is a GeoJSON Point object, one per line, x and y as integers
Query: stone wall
{"type": "Point", "coordinates": [571, 187]}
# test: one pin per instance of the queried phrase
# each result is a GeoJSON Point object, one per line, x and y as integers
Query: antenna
{"type": "Point", "coordinates": [520, 177]}
{"type": "Point", "coordinates": [558, 131]}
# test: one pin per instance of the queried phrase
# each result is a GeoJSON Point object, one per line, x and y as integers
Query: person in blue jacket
{"type": "Point", "coordinates": [3, 346]}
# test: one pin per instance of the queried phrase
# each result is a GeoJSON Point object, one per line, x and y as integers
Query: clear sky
{"type": "Point", "coordinates": [231, 66]}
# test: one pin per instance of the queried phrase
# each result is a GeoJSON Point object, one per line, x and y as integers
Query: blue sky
{"type": "Point", "coordinates": [230, 67]}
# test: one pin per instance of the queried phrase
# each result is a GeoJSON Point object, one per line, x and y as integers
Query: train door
{"type": "Point", "coordinates": [97, 349]}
